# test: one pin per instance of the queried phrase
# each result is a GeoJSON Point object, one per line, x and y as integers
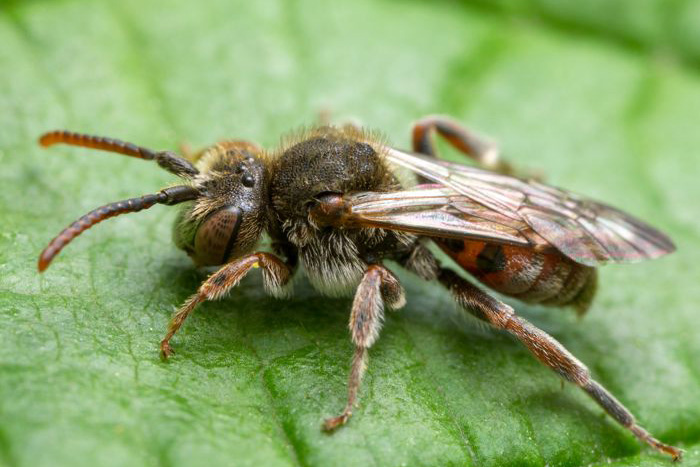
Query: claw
{"type": "Point", "coordinates": [675, 453]}
{"type": "Point", "coordinates": [165, 349]}
{"type": "Point", "coordinates": [332, 423]}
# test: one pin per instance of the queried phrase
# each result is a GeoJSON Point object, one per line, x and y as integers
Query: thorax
{"type": "Point", "coordinates": [330, 160]}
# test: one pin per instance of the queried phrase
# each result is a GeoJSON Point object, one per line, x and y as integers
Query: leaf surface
{"type": "Point", "coordinates": [602, 97]}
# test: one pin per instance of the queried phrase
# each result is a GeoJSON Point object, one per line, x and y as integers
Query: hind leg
{"type": "Point", "coordinates": [548, 351]}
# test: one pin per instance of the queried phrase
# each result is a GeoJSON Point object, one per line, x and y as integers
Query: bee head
{"type": "Point", "coordinates": [223, 197]}
{"type": "Point", "coordinates": [228, 217]}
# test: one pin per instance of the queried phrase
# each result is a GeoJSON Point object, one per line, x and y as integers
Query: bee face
{"type": "Point", "coordinates": [228, 218]}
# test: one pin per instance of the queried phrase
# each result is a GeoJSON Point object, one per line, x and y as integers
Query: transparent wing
{"type": "Point", "coordinates": [435, 211]}
{"type": "Point", "coordinates": [586, 231]}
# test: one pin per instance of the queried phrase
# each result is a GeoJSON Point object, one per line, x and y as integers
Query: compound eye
{"type": "Point", "coordinates": [216, 236]}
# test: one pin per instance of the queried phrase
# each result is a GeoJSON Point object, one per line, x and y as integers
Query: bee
{"type": "Point", "coordinates": [337, 201]}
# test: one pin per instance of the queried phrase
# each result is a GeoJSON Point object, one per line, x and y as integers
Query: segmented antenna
{"type": "Point", "coordinates": [168, 196]}
{"type": "Point", "coordinates": [166, 159]}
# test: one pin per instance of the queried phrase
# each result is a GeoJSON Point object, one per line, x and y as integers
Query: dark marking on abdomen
{"type": "Point", "coordinates": [548, 278]}
{"type": "Point", "coordinates": [491, 259]}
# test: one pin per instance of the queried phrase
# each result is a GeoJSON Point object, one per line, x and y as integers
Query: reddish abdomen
{"type": "Point", "coordinates": [548, 278]}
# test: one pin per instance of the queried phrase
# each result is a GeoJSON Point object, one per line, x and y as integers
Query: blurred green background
{"type": "Point", "coordinates": [602, 96]}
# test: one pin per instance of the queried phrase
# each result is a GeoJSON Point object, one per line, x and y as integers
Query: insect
{"type": "Point", "coordinates": [336, 200]}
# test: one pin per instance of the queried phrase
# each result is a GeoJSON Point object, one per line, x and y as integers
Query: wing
{"type": "Point", "coordinates": [434, 211]}
{"type": "Point", "coordinates": [510, 208]}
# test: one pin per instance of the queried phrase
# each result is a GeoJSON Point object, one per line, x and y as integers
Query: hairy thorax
{"type": "Point", "coordinates": [329, 160]}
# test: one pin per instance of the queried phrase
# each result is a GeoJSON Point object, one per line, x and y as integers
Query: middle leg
{"type": "Point", "coordinates": [378, 286]}
{"type": "Point", "coordinates": [484, 152]}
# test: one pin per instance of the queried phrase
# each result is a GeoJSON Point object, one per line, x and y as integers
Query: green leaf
{"type": "Point", "coordinates": [601, 96]}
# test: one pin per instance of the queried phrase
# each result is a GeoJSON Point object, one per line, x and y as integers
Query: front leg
{"type": "Point", "coordinates": [276, 275]}
{"type": "Point", "coordinates": [378, 285]}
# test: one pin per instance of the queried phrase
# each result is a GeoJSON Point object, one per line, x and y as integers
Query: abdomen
{"type": "Point", "coordinates": [545, 278]}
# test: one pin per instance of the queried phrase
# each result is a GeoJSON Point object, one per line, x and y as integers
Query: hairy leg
{"type": "Point", "coordinates": [276, 275]}
{"type": "Point", "coordinates": [484, 152]}
{"type": "Point", "coordinates": [378, 286]}
{"type": "Point", "coordinates": [547, 350]}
